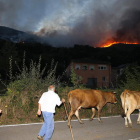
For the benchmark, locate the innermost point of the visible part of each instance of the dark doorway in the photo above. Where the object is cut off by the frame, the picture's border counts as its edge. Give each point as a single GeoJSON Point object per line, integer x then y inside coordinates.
{"type": "Point", "coordinates": [92, 83]}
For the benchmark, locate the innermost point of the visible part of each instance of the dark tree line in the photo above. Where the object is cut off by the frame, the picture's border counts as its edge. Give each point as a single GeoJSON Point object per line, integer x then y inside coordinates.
{"type": "Point", "coordinates": [117, 54]}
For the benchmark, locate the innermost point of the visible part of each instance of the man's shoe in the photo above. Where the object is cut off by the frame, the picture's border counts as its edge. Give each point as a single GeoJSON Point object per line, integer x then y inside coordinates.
{"type": "Point", "coordinates": [39, 137]}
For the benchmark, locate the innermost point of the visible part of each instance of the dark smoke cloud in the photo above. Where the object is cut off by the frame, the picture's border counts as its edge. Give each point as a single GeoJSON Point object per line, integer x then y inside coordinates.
{"type": "Point", "coordinates": [65, 23]}
{"type": "Point", "coordinates": [129, 27]}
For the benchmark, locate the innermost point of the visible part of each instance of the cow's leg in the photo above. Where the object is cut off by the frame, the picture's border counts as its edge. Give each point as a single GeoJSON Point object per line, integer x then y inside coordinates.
{"type": "Point", "coordinates": [130, 110]}
{"type": "Point", "coordinates": [129, 124]}
{"type": "Point", "coordinates": [99, 112]}
{"type": "Point", "coordinates": [93, 113]}
{"type": "Point", "coordinates": [125, 107]}
{"type": "Point", "coordinates": [138, 120]}
{"type": "Point", "coordinates": [69, 117]}
{"type": "Point", "coordinates": [125, 118]}
{"type": "Point", "coordinates": [77, 115]}
{"type": "Point", "coordinates": [126, 123]}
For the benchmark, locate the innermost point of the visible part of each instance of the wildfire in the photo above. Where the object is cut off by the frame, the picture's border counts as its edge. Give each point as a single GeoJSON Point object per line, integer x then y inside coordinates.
{"type": "Point", "coordinates": [108, 44]}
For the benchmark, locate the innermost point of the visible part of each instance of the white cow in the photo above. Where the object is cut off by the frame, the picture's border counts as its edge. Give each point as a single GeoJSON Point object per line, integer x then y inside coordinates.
{"type": "Point", "coordinates": [130, 101]}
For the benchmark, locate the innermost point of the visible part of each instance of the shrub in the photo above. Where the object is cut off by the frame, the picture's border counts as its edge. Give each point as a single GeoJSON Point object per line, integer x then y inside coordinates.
{"type": "Point", "coordinates": [25, 89]}
{"type": "Point", "coordinates": [130, 79]}
{"type": "Point", "coordinates": [75, 82]}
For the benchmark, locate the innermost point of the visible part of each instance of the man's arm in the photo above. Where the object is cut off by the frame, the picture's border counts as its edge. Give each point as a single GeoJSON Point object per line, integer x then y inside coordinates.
{"type": "Point", "coordinates": [39, 109]}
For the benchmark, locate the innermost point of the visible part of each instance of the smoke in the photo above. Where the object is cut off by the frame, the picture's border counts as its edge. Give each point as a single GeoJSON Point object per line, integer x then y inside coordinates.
{"type": "Point", "coordinates": [22, 15]}
{"type": "Point", "coordinates": [65, 23]}
{"type": "Point", "coordinates": [130, 27]}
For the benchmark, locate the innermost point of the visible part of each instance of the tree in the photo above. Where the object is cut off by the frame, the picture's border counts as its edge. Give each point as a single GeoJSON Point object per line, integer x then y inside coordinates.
{"type": "Point", "coordinates": [130, 78]}
{"type": "Point", "coordinates": [76, 82]}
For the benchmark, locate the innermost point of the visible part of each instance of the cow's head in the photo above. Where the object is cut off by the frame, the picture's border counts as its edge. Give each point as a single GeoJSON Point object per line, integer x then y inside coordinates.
{"type": "Point", "coordinates": [113, 98]}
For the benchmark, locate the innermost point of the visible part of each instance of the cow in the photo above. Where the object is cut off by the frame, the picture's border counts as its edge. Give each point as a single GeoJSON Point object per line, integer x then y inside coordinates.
{"type": "Point", "coordinates": [130, 101]}
{"type": "Point", "coordinates": [88, 98]}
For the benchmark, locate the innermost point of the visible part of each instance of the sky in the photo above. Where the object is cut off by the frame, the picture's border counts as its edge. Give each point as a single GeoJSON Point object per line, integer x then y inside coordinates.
{"type": "Point", "coordinates": [70, 22]}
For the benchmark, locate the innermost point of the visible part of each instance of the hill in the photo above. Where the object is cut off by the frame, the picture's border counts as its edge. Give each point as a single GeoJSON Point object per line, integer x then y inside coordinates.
{"type": "Point", "coordinates": [17, 36]}
{"type": "Point", "coordinates": [125, 47]}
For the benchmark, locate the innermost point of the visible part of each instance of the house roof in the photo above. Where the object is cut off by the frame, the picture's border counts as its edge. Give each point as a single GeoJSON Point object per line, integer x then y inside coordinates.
{"type": "Point", "coordinates": [120, 66]}
{"type": "Point", "coordinates": [87, 60]}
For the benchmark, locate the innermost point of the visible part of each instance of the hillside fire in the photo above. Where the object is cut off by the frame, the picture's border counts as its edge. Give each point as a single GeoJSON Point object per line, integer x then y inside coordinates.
{"type": "Point", "coordinates": [108, 44]}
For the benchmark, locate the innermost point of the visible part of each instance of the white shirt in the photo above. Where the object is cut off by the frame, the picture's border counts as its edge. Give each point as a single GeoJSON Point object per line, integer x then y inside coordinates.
{"type": "Point", "coordinates": [48, 101]}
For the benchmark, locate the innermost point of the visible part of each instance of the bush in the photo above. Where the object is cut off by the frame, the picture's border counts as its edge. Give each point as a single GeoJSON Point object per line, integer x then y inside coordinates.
{"type": "Point", "coordinates": [25, 89]}
{"type": "Point", "coordinates": [130, 79]}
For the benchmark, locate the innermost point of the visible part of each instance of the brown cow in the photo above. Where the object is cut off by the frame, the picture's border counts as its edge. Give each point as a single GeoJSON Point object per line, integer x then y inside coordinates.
{"type": "Point", "coordinates": [87, 98]}
{"type": "Point", "coordinates": [130, 101]}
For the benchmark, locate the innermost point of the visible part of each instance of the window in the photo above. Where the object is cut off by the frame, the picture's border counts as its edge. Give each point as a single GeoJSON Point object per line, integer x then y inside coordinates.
{"type": "Point", "coordinates": [84, 67]}
{"type": "Point", "coordinates": [102, 67]}
{"type": "Point", "coordinates": [103, 78]}
{"type": "Point", "coordinates": [77, 66]}
{"type": "Point", "coordinates": [91, 67]}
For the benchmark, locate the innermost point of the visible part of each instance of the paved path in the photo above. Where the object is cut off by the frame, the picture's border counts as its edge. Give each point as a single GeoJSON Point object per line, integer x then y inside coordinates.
{"type": "Point", "coordinates": [112, 128]}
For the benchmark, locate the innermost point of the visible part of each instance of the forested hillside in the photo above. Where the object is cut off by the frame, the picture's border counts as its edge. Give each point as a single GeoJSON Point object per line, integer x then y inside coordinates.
{"type": "Point", "coordinates": [117, 54]}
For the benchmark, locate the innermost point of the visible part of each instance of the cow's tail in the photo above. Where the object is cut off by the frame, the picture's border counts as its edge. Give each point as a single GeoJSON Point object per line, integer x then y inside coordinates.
{"type": "Point", "coordinates": [123, 104]}
{"type": "Point", "coordinates": [68, 106]}
{"type": "Point", "coordinates": [69, 100]}
{"type": "Point", "coordinates": [124, 94]}
{"type": "Point", "coordinates": [69, 97]}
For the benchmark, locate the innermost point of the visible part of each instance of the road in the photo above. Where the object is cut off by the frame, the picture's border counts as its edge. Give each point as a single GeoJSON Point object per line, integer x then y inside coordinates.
{"type": "Point", "coordinates": [112, 128]}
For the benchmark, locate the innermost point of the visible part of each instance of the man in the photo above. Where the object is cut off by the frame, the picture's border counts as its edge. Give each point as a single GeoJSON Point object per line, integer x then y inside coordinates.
{"type": "Point", "coordinates": [46, 105]}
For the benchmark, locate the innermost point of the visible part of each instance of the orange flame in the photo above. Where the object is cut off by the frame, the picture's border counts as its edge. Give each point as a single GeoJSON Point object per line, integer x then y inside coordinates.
{"type": "Point", "coordinates": [108, 44]}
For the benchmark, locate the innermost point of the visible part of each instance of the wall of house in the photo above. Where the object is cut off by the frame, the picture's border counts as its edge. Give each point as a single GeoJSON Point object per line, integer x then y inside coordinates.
{"type": "Point", "coordinates": [92, 72]}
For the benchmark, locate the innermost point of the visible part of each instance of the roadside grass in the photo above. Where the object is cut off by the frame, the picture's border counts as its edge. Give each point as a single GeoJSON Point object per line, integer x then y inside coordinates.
{"type": "Point", "coordinates": [15, 114]}
{"type": "Point", "coordinates": [24, 110]}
